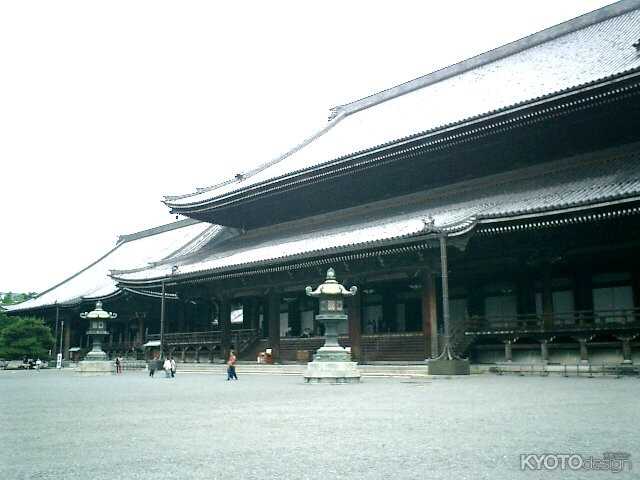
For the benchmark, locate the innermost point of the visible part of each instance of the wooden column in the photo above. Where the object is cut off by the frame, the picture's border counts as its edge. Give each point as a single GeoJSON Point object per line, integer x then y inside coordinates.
{"type": "Point", "coordinates": [67, 339]}
{"type": "Point", "coordinates": [547, 297]}
{"type": "Point", "coordinates": [273, 319]}
{"type": "Point", "coordinates": [429, 315]}
{"type": "Point", "coordinates": [626, 347]}
{"type": "Point", "coordinates": [544, 350]}
{"type": "Point", "coordinates": [584, 353]}
{"type": "Point", "coordinates": [583, 288]}
{"type": "Point", "coordinates": [636, 287]}
{"type": "Point", "coordinates": [355, 325]}
{"type": "Point", "coordinates": [141, 330]}
{"type": "Point", "coordinates": [180, 317]}
{"type": "Point", "coordinates": [388, 310]}
{"type": "Point", "coordinates": [526, 292]}
{"type": "Point", "coordinates": [224, 322]}
{"type": "Point", "coordinates": [250, 314]}
{"type": "Point", "coordinates": [293, 311]}
{"type": "Point", "coordinates": [508, 351]}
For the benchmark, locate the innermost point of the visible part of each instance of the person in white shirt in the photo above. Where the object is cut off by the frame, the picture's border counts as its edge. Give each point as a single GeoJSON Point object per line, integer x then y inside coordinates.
{"type": "Point", "coordinates": [173, 367]}
{"type": "Point", "coordinates": [167, 367]}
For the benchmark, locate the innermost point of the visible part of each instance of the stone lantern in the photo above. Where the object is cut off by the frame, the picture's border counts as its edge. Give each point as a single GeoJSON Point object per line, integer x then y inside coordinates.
{"type": "Point", "coordinates": [96, 360]}
{"type": "Point", "coordinates": [331, 363]}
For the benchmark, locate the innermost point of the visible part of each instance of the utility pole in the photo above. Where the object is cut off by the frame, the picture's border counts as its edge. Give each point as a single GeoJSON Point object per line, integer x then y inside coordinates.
{"type": "Point", "coordinates": [61, 332]}
{"type": "Point", "coordinates": [55, 335]}
{"type": "Point", "coordinates": [162, 323]}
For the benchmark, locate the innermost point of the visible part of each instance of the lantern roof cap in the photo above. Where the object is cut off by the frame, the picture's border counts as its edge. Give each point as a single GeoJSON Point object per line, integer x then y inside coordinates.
{"type": "Point", "coordinates": [331, 287]}
{"type": "Point", "coordinates": [98, 312]}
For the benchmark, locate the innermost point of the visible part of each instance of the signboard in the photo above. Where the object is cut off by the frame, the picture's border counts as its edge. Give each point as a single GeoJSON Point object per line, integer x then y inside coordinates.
{"type": "Point", "coordinates": [59, 361]}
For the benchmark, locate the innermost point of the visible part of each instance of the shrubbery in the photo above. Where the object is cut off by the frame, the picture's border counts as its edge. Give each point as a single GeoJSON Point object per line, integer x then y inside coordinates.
{"type": "Point", "coordinates": [20, 336]}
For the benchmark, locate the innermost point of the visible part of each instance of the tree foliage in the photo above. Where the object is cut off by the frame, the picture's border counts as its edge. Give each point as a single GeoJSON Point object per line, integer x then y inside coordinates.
{"type": "Point", "coordinates": [24, 336]}
{"type": "Point", "coordinates": [10, 298]}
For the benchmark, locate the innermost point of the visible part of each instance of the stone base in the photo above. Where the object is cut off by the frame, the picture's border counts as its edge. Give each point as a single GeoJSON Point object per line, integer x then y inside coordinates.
{"type": "Point", "coordinates": [92, 367]}
{"type": "Point", "coordinates": [332, 372]}
{"type": "Point", "coordinates": [335, 354]}
{"type": "Point", "coordinates": [449, 367]}
{"type": "Point", "coordinates": [96, 356]}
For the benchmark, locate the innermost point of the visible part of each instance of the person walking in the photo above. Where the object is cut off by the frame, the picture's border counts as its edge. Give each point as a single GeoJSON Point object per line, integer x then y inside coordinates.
{"type": "Point", "coordinates": [117, 365]}
{"type": "Point", "coordinates": [173, 367]}
{"type": "Point", "coordinates": [38, 364]}
{"type": "Point", "coordinates": [167, 367]}
{"type": "Point", "coordinates": [231, 367]}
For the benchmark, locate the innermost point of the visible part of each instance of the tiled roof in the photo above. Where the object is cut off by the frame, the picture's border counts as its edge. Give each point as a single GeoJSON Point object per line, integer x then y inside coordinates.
{"type": "Point", "coordinates": [131, 251]}
{"type": "Point", "coordinates": [584, 181]}
{"type": "Point", "coordinates": [586, 49]}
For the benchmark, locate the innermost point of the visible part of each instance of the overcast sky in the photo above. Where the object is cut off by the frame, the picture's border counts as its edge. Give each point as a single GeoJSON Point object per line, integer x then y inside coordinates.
{"type": "Point", "coordinates": [107, 106]}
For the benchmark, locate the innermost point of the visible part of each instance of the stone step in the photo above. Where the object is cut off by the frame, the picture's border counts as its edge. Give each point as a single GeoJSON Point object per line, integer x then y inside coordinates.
{"type": "Point", "coordinates": [298, 369]}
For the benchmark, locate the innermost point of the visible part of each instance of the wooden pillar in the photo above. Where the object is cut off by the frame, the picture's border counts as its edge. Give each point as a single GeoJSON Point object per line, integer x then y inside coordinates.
{"type": "Point", "coordinates": [626, 347]}
{"type": "Point", "coordinates": [584, 353]}
{"type": "Point", "coordinates": [355, 325]}
{"type": "Point", "coordinates": [141, 330]}
{"type": "Point", "coordinates": [388, 311]}
{"type": "Point", "coordinates": [429, 315]}
{"type": "Point", "coordinates": [180, 317]}
{"type": "Point", "coordinates": [547, 297]}
{"type": "Point", "coordinates": [224, 322]}
{"type": "Point", "coordinates": [583, 288]}
{"type": "Point", "coordinates": [67, 339]}
{"type": "Point", "coordinates": [273, 319]}
{"type": "Point", "coordinates": [293, 311]}
{"type": "Point", "coordinates": [127, 332]}
{"type": "Point", "coordinates": [526, 293]}
{"type": "Point", "coordinates": [250, 314]}
{"type": "Point", "coordinates": [636, 287]}
{"type": "Point", "coordinates": [544, 350]}
{"type": "Point", "coordinates": [508, 351]}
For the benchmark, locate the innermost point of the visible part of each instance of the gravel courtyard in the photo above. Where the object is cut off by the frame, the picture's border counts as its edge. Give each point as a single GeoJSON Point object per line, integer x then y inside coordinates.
{"type": "Point", "coordinates": [58, 425]}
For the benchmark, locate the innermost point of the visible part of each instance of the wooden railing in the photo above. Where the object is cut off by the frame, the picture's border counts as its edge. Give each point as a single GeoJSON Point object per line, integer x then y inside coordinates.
{"type": "Point", "coordinates": [190, 338]}
{"type": "Point", "coordinates": [241, 338]}
{"type": "Point", "coordinates": [569, 321]}
{"type": "Point", "coordinates": [121, 346]}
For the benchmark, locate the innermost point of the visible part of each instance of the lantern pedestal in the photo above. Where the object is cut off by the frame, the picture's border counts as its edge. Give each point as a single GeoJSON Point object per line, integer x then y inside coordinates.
{"type": "Point", "coordinates": [97, 367]}
{"type": "Point", "coordinates": [332, 363]}
{"type": "Point", "coordinates": [332, 372]}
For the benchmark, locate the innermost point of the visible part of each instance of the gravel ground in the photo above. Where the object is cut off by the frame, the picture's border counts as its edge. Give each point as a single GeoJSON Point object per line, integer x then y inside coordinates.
{"type": "Point", "coordinates": [58, 425]}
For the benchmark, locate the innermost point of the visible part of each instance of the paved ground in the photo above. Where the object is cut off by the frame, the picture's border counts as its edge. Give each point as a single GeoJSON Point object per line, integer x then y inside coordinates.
{"type": "Point", "coordinates": [57, 425]}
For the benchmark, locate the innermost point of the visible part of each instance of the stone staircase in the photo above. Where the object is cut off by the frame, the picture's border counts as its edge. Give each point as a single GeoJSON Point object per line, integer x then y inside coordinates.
{"type": "Point", "coordinates": [399, 369]}
{"type": "Point", "coordinates": [394, 347]}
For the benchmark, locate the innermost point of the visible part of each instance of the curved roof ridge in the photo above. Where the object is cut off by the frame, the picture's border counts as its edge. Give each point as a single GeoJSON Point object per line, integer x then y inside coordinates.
{"type": "Point", "coordinates": [118, 245]}
{"type": "Point", "coordinates": [333, 120]}
{"type": "Point", "coordinates": [511, 48]}
{"type": "Point", "coordinates": [155, 230]}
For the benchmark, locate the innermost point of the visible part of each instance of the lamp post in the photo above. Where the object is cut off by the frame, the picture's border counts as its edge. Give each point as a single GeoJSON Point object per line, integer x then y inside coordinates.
{"type": "Point", "coordinates": [162, 323]}
{"type": "Point", "coordinates": [174, 269]}
{"type": "Point", "coordinates": [61, 332]}
{"type": "Point", "coordinates": [447, 363]}
{"type": "Point", "coordinates": [331, 363]}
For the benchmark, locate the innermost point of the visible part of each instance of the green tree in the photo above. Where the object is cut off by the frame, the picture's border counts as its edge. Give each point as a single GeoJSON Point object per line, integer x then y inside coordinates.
{"type": "Point", "coordinates": [25, 336]}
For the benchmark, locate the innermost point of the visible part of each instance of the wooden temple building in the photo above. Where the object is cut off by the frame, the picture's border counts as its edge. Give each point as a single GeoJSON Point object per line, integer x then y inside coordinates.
{"type": "Point", "coordinates": [524, 161]}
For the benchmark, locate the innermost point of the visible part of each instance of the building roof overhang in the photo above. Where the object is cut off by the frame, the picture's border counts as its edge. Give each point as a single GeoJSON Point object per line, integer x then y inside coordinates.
{"type": "Point", "coordinates": [587, 187]}
{"type": "Point", "coordinates": [540, 75]}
